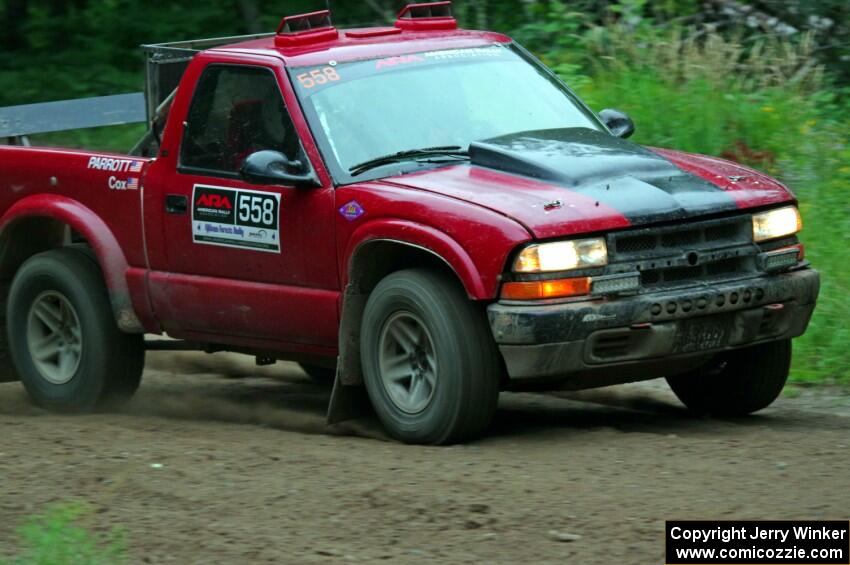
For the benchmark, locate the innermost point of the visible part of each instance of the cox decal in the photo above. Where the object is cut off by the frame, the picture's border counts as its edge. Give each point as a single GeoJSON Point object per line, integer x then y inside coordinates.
{"type": "Point", "coordinates": [121, 184]}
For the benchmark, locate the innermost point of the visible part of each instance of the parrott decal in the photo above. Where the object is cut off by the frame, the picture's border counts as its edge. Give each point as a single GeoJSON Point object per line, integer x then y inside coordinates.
{"type": "Point", "coordinates": [229, 217]}
{"type": "Point", "coordinates": [114, 165]}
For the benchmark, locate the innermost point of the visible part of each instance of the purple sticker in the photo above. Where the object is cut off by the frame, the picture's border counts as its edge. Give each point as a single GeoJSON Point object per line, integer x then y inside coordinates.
{"type": "Point", "coordinates": [352, 211]}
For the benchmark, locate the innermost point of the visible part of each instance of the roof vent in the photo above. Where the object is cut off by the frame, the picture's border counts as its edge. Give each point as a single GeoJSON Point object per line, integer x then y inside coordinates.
{"type": "Point", "coordinates": [431, 16]}
{"type": "Point", "coordinates": [372, 32]}
{"type": "Point", "coordinates": [306, 29]}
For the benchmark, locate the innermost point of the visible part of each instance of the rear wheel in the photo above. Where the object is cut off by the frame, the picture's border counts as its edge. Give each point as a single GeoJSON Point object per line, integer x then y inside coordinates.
{"type": "Point", "coordinates": [429, 360]}
{"type": "Point", "coordinates": [737, 383]}
{"type": "Point", "coordinates": [63, 340]}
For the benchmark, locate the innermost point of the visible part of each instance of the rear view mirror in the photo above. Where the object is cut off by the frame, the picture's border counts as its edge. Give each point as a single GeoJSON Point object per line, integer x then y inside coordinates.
{"type": "Point", "coordinates": [618, 122]}
{"type": "Point", "coordinates": [272, 167]}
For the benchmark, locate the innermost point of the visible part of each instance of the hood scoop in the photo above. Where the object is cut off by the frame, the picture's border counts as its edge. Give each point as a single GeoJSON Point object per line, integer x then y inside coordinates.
{"type": "Point", "coordinates": [570, 157]}
{"type": "Point", "coordinates": [644, 186]}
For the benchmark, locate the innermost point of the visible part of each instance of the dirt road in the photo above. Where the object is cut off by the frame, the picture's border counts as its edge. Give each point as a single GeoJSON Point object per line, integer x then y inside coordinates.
{"type": "Point", "coordinates": [209, 467]}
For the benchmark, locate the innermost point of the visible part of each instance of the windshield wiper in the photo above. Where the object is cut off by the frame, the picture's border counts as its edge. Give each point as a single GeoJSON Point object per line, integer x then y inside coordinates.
{"type": "Point", "coordinates": [412, 155]}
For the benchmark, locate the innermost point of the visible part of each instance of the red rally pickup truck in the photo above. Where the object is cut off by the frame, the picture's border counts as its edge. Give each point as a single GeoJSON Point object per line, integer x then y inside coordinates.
{"type": "Point", "coordinates": [423, 212]}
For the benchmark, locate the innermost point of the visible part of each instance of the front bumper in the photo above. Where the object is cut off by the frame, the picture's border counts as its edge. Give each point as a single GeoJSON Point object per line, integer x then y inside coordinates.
{"type": "Point", "coordinates": [656, 331]}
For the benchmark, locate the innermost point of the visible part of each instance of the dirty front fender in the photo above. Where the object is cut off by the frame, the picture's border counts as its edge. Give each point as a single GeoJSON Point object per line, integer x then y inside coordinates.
{"type": "Point", "coordinates": [475, 242]}
{"type": "Point", "coordinates": [427, 239]}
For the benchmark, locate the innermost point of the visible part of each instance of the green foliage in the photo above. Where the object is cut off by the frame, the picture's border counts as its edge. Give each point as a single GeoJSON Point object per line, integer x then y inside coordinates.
{"type": "Point", "coordinates": [56, 538]}
{"type": "Point", "coordinates": [557, 37]}
{"type": "Point", "coordinates": [831, 21]}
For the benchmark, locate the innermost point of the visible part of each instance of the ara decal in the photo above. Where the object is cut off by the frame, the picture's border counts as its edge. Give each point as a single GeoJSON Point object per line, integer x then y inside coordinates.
{"type": "Point", "coordinates": [396, 61]}
{"type": "Point", "coordinates": [352, 211]}
{"type": "Point", "coordinates": [237, 218]}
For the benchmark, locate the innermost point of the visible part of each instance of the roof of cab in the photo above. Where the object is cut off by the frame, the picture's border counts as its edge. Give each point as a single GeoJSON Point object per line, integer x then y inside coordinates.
{"type": "Point", "coordinates": [311, 39]}
{"type": "Point", "coordinates": [360, 43]}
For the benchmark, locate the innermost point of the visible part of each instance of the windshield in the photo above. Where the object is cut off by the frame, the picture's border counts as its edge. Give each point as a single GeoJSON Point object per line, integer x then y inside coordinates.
{"type": "Point", "coordinates": [366, 110]}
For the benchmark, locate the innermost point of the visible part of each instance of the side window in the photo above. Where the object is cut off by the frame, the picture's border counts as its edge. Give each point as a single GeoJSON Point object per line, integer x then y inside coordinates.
{"type": "Point", "coordinates": [236, 111]}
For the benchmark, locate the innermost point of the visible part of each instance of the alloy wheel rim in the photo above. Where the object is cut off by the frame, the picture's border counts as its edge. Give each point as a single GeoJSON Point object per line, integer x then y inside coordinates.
{"type": "Point", "coordinates": [54, 337]}
{"type": "Point", "coordinates": [407, 362]}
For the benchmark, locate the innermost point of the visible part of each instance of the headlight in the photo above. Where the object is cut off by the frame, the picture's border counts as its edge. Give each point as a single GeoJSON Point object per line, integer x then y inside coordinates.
{"type": "Point", "coordinates": [562, 256]}
{"type": "Point", "coordinates": [776, 223]}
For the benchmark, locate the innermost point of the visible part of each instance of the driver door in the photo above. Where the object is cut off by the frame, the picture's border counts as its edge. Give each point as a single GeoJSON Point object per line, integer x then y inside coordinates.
{"type": "Point", "coordinates": [255, 263]}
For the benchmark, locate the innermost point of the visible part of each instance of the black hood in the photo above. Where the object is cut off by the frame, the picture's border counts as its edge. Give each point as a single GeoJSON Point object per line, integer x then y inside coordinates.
{"type": "Point", "coordinates": [642, 185]}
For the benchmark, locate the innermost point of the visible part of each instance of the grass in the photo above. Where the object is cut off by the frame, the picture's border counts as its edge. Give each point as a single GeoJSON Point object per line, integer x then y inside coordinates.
{"type": "Point", "coordinates": [58, 538]}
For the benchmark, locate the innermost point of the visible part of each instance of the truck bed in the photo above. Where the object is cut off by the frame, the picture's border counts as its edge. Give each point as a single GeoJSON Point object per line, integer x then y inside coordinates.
{"type": "Point", "coordinates": [108, 185]}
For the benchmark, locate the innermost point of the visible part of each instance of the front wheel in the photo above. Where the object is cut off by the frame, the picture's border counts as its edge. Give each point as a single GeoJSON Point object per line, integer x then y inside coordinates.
{"type": "Point", "coordinates": [737, 383]}
{"type": "Point", "coordinates": [63, 340]}
{"type": "Point", "coordinates": [429, 359]}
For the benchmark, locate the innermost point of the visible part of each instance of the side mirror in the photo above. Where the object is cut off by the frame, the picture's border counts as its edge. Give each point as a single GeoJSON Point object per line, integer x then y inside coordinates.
{"type": "Point", "coordinates": [618, 122]}
{"type": "Point", "coordinates": [272, 167]}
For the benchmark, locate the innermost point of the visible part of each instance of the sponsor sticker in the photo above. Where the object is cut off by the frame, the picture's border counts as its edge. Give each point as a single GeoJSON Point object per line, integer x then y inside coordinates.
{"type": "Point", "coordinates": [396, 61]}
{"type": "Point", "coordinates": [475, 52]}
{"type": "Point", "coordinates": [438, 56]}
{"type": "Point", "coordinates": [318, 77]}
{"type": "Point", "coordinates": [229, 217]}
{"type": "Point", "coordinates": [116, 183]}
{"type": "Point", "coordinates": [113, 165]}
{"type": "Point", "coordinates": [352, 211]}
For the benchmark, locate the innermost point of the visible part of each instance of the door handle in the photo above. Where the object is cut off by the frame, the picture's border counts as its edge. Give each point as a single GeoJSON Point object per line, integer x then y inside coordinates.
{"type": "Point", "coordinates": [176, 204]}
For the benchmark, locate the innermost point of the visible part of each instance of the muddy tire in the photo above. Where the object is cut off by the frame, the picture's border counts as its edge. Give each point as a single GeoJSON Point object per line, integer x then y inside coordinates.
{"type": "Point", "coordinates": [324, 376]}
{"type": "Point", "coordinates": [738, 383]}
{"type": "Point", "coordinates": [63, 340]}
{"type": "Point", "coordinates": [7, 370]}
{"type": "Point", "coordinates": [429, 359]}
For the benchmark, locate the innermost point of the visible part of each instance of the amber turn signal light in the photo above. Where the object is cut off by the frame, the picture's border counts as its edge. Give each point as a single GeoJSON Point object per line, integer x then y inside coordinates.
{"type": "Point", "coordinates": [539, 290]}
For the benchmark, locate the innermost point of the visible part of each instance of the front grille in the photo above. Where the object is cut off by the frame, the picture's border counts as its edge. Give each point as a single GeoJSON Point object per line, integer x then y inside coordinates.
{"type": "Point", "coordinates": [636, 244]}
{"type": "Point", "coordinates": [724, 267]}
{"type": "Point", "coordinates": [675, 275]}
{"type": "Point", "coordinates": [653, 242]}
{"type": "Point", "coordinates": [726, 231]}
{"type": "Point", "coordinates": [678, 239]}
{"type": "Point", "coordinates": [681, 254]}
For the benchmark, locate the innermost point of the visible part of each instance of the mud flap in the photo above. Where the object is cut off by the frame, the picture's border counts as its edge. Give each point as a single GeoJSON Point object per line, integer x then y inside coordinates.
{"type": "Point", "coordinates": [348, 403]}
{"type": "Point", "coordinates": [349, 399]}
